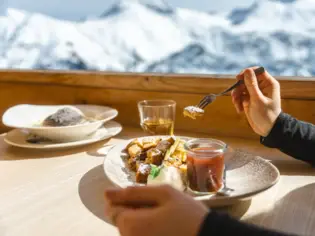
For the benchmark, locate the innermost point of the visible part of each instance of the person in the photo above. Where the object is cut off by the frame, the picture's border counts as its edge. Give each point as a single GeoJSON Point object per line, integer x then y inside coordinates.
{"type": "Point", "coordinates": [144, 211]}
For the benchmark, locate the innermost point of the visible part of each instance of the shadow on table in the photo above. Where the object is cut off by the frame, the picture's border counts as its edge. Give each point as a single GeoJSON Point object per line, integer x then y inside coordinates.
{"type": "Point", "coordinates": [94, 182]}
{"type": "Point", "coordinates": [293, 168]}
{"type": "Point", "coordinates": [15, 153]}
{"type": "Point", "coordinates": [294, 213]}
{"type": "Point", "coordinates": [91, 191]}
{"type": "Point", "coordinates": [237, 210]}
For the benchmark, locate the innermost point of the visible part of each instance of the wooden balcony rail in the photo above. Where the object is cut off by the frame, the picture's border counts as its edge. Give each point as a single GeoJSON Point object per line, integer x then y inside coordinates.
{"type": "Point", "coordinates": [123, 90]}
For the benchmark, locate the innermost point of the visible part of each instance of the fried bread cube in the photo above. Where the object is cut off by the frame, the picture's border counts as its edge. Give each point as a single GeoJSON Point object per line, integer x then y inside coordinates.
{"type": "Point", "coordinates": [143, 173]}
{"type": "Point", "coordinates": [134, 150]}
{"type": "Point", "coordinates": [155, 157]}
{"type": "Point", "coordinates": [132, 163]}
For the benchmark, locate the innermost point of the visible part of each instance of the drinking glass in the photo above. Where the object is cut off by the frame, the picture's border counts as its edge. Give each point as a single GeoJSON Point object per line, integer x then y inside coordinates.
{"type": "Point", "coordinates": [205, 165]}
{"type": "Point", "coordinates": [157, 117]}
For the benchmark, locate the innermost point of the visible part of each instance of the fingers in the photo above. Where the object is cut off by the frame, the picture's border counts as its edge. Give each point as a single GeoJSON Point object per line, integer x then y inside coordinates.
{"type": "Point", "coordinates": [237, 100]}
{"type": "Point", "coordinates": [113, 213]}
{"type": "Point", "coordinates": [267, 77]}
{"type": "Point", "coordinates": [125, 208]}
{"type": "Point", "coordinates": [135, 222]}
{"type": "Point", "coordinates": [251, 83]}
{"type": "Point", "coordinates": [240, 94]}
{"type": "Point", "coordinates": [262, 78]}
{"type": "Point", "coordinates": [139, 197]}
{"type": "Point", "coordinates": [237, 94]}
{"type": "Point", "coordinates": [245, 102]}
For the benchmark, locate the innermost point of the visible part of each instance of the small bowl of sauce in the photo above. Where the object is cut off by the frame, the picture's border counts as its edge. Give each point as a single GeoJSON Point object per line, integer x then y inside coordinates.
{"type": "Point", "coordinates": [205, 165]}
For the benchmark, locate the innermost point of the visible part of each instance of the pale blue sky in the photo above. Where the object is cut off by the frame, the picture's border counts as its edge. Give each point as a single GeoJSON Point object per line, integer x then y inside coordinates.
{"type": "Point", "coordinates": [77, 9]}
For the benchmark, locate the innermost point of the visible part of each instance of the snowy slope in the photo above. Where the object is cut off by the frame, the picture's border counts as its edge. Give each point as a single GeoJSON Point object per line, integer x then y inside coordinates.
{"type": "Point", "coordinates": [271, 15]}
{"type": "Point", "coordinates": [134, 28]}
{"type": "Point", "coordinates": [144, 35]}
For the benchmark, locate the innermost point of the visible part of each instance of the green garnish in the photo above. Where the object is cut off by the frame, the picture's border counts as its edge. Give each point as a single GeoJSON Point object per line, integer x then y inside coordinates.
{"type": "Point", "coordinates": [155, 171]}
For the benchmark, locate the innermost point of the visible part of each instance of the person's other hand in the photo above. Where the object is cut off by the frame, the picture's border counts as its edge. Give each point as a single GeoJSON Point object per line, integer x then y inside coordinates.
{"type": "Point", "coordinates": [154, 211]}
{"type": "Point", "coordinates": [259, 98]}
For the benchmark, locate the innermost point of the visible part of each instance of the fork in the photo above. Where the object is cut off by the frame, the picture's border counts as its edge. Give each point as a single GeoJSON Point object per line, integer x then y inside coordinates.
{"type": "Point", "coordinates": [211, 97]}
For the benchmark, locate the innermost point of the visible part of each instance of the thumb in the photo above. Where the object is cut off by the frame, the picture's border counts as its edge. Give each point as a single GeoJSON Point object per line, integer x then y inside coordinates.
{"type": "Point", "coordinates": [251, 83]}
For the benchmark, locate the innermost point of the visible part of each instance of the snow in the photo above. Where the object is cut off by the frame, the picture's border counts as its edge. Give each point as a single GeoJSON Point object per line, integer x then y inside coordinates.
{"type": "Point", "coordinates": [152, 36]}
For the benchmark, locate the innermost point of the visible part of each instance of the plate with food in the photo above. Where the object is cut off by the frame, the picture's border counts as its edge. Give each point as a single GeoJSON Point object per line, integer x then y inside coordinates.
{"type": "Point", "coordinates": [61, 123]}
{"type": "Point", "coordinates": [24, 139]}
{"type": "Point", "coordinates": [155, 160]}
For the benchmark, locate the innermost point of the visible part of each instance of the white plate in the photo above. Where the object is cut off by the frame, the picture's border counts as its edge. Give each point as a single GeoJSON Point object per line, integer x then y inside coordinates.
{"type": "Point", "coordinates": [27, 116]}
{"type": "Point", "coordinates": [247, 174]}
{"type": "Point", "coordinates": [18, 138]}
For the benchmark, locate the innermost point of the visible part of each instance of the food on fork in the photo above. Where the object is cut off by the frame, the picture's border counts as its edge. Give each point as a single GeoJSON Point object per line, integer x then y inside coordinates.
{"type": "Point", "coordinates": [65, 117]}
{"type": "Point", "coordinates": [193, 112]}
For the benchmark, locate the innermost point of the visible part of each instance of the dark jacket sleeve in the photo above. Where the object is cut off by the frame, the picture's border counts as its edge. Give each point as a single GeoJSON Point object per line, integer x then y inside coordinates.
{"type": "Point", "coordinates": [293, 137]}
{"type": "Point", "coordinates": [218, 224]}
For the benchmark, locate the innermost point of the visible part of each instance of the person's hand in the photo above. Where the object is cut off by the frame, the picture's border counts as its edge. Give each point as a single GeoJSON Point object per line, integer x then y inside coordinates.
{"type": "Point", "coordinates": [260, 100]}
{"type": "Point", "coordinates": [154, 211]}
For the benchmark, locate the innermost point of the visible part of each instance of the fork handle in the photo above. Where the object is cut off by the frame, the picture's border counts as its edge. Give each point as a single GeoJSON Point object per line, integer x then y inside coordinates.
{"type": "Point", "coordinates": [257, 71]}
{"type": "Point", "coordinates": [238, 83]}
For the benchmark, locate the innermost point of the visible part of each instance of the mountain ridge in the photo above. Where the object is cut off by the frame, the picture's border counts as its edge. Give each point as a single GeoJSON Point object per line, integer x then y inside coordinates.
{"type": "Point", "coordinates": [136, 36]}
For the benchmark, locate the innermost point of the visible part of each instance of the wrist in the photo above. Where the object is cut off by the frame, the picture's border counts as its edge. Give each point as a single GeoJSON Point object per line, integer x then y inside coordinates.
{"type": "Point", "coordinates": [273, 139]}
{"type": "Point", "coordinates": [273, 116]}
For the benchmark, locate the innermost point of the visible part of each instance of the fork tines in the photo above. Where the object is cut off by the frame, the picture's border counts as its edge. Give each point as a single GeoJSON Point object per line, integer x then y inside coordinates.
{"type": "Point", "coordinates": [211, 97]}
{"type": "Point", "coordinates": [206, 100]}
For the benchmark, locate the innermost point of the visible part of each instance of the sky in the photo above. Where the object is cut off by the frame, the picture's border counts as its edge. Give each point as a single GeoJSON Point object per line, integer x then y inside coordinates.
{"type": "Point", "coordinates": [78, 9]}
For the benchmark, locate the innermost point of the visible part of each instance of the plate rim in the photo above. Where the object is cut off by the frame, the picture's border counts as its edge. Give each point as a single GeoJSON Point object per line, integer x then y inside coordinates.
{"type": "Point", "coordinates": [208, 198]}
{"type": "Point", "coordinates": [67, 144]}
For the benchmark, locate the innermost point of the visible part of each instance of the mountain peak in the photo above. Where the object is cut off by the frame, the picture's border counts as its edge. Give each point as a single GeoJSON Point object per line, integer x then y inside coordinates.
{"type": "Point", "coordinates": [284, 1]}
{"type": "Point", "coordinates": [159, 6]}
{"type": "Point", "coordinates": [239, 15]}
{"type": "Point", "coordinates": [262, 7]}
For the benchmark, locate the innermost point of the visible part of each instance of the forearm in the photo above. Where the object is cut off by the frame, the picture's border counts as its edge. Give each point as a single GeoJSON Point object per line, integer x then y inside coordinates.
{"type": "Point", "coordinates": [293, 137]}
{"type": "Point", "coordinates": [223, 225]}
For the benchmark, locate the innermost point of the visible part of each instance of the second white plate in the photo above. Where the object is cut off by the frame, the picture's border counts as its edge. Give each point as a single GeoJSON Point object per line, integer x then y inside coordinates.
{"type": "Point", "coordinates": [17, 138]}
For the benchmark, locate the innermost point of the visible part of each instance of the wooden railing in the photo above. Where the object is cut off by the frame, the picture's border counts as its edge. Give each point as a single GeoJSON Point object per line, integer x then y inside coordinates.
{"type": "Point", "coordinates": [124, 90]}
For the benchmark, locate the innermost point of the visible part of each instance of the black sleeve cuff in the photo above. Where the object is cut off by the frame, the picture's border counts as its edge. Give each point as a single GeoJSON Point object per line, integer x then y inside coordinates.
{"type": "Point", "coordinates": [220, 224]}
{"type": "Point", "coordinates": [274, 137]}
{"type": "Point", "coordinates": [210, 224]}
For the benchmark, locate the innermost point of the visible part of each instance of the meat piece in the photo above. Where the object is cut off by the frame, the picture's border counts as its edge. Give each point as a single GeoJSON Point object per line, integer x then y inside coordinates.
{"type": "Point", "coordinates": [143, 173]}
{"type": "Point", "coordinates": [132, 163]}
{"type": "Point", "coordinates": [64, 117]}
{"type": "Point", "coordinates": [138, 164]}
{"type": "Point", "coordinates": [171, 140]}
{"type": "Point", "coordinates": [134, 150]}
{"type": "Point", "coordinates": [155, 157]}
{"type": "Point", "coordinates": [142, 156]}
{"type": "Point", "coordinates": [163, 146]}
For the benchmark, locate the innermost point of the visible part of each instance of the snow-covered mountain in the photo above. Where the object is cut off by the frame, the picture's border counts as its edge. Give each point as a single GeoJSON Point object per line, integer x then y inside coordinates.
{"type": "Point", "coordinates": [152, 36]}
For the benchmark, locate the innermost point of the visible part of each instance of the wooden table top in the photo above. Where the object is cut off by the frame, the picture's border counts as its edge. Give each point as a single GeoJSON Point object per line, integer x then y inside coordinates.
{"type": "Point", "coordinates": [61, 192]}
